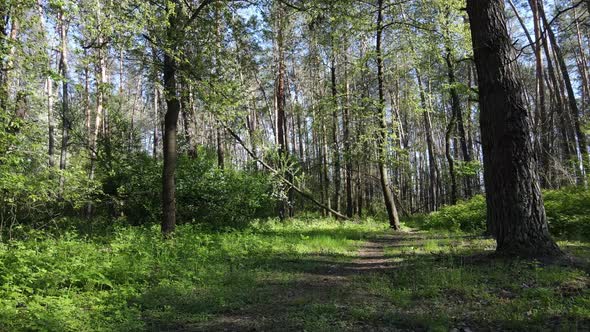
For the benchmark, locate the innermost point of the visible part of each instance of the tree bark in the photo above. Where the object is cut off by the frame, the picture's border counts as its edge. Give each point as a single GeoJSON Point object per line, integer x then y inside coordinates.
{"type": "Point", "coordinates": [432, 165]}
{"type": "Point", "coordinates": [335, 130]}
{"type": "Point", "coordinates": [280, 101]}
{"type": "Point", "coordinates": [347, 152]}
{"type": "Point", "coordinates": [514, 204]}
{"type": "Point", "coordinates": [573, 105]}
{"type": "Point", "coordinates": [382, 132]}
{"type": "Point", "coordinates": [65, 109]}
{"type": "Point", "coordinates": [170, 153]}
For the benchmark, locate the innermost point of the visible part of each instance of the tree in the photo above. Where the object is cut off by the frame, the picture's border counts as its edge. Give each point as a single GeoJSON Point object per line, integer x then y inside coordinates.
{"type": "Point", "coordinates": [515, 209]}
{"type": "Point", "coordinates": [382, 132]}
{"type": "Point", "coordinates": [175, 31]}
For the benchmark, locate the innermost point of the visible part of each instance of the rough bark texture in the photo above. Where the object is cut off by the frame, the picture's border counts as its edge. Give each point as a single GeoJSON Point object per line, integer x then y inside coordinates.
{"type": "Point", "coordinates": [514, 203]}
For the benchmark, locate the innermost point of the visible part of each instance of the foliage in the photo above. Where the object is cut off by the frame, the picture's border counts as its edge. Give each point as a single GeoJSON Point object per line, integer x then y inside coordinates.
{"type": "Point", "coordinates": [205, 193]}
{"type": "Point", "coordinates": [466, 216]}
{"type": "Point", "coordinates": [568, 214]}
{"type": "Point", "coordinates": [301, 275]}
{"type": "Point", "coordinates": [73, 283]}
{"type": "Point", "coordinates": [29, 188]}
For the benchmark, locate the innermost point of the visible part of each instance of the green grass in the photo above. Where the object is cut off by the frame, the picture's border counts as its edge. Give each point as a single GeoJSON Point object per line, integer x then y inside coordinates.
{"type": "Point", "coordinates": [299, 275]}
{"type": "Point", "coordinates": [442, 282]}
{"type": "Point", "coordinates": [135, 280]}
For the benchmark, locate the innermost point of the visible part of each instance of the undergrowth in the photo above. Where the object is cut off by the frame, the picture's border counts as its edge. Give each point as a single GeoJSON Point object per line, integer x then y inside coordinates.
{"type": "Point", "coordinates": [134, 280]}
{"type": "Point", "coordinates": [568, 215]}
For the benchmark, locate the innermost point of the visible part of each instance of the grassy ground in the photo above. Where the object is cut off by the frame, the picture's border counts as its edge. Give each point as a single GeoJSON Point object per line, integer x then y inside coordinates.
{"type": "Point", "coordinates": [315, 275]}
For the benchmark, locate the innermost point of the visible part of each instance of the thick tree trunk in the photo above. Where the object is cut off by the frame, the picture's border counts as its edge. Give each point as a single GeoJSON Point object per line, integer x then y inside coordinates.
{"type": "Point", "coordinates": [382, 135]}
{"type": "Point", "coordinates": [513, 195]}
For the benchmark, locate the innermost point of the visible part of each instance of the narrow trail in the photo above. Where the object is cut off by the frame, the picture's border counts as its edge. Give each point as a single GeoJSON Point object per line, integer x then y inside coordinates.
{"type": "Point", "coordinates": [323, 282]}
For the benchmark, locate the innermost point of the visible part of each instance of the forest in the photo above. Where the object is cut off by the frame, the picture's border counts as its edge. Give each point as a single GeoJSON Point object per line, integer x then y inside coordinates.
{"type": "Point", "coordinates": [291, 165]}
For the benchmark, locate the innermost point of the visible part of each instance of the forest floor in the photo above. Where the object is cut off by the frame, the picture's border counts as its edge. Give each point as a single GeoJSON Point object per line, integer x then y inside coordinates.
{"type": "Point", "coordinates": [303, 275]}
{"type": "Point", "coordinates": [415, 281]}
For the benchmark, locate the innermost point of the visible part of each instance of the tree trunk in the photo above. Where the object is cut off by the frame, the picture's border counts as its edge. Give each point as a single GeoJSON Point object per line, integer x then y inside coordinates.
{"type": "Point", "coordinates": [513, 195]}
{"type": "Point", "coordinates": [4, 19]}
{"type": "Point", "coordinates": [458, 122]}
{"type": "Point", "coordinates": [451, 125]}
{"type": "Point", "coordinates": [170, 153]}
{"type": "Point", "coordinates": [65, 109]}
{"type": "Point", "coordinates": [573, 105]}
{"type": "Point", "coordinates": [100, 101]}
{"type": "Point", "coordinates": [346, 138]}
{"type": "Point", "coordinates": [382, 135]}
{"type": "Point", "coordinates": [280, 101]}
{"type": "Point", "coordinates": [335, 130]}
{"type": "Point", "coordinates": [433, 167]}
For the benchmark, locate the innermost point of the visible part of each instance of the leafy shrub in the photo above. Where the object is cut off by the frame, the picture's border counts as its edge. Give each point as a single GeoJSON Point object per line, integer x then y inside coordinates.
{"type": "Point", "coordinates": [466, 216]}
{"type": "Point", "coordinates": [204, 193]}
{"type": "Point", "coordinates": [30, 192]}
{"type": "Point", "coordinates": [568, 214]}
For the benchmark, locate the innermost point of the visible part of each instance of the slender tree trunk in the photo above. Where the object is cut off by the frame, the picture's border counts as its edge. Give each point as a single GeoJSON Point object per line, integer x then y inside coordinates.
{"type": "Point", "coordinates": [100, 101]}
{"type": "Point", "coordinates": [450, 159]}
{"type": "Point", "coordinates": [433, 167]}
{"type": "Point", "coordinates": [50, 123]}
{"type": "Point", "coordinates": [280, 100]}
{"type": "Point", "coordinates": [347, 151]}
{"type": "Point", "coordinates": [458, 121]}
{"type": "Point", "coordinates": [4, 19]}
{"type": "Point", "coordinates": [573, 105]}
{"type": "Point", "coordinates": [335, 130]}
{"type": "Point", "coordinates": [65, 109]}
{"type": "Point", "coordinates": [514, 202]}
{"type": "Point", "coordinates": [169, 151]}
{"type": "Point", "coordinates": [220, 148]}
{"type": "Point", "coordinates": [382, 135]}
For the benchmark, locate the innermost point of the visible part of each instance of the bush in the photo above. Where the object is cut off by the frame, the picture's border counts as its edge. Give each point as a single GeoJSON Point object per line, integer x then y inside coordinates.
{"type": "Point", "coordinates": [568, 214]}
{"type": "Point", "coordinates": [204, 193]}
{"type": "Point", "coordinates": [466, 216]}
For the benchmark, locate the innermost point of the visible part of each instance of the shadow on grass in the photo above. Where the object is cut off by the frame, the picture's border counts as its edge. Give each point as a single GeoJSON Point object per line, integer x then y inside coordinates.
{"type": "Point", "coordinates": [398, 290]}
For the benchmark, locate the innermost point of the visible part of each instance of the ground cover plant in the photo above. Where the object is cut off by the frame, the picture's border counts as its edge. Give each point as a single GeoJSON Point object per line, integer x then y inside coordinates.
{"type": "Point", "coordinates": [299, 165]}
{"type": "Point", "coordinates": [309, 274]}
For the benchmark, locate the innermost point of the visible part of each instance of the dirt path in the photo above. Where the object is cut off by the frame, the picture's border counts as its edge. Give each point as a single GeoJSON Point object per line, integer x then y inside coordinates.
{"type": "Point", "coordinates": [325, 286]}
